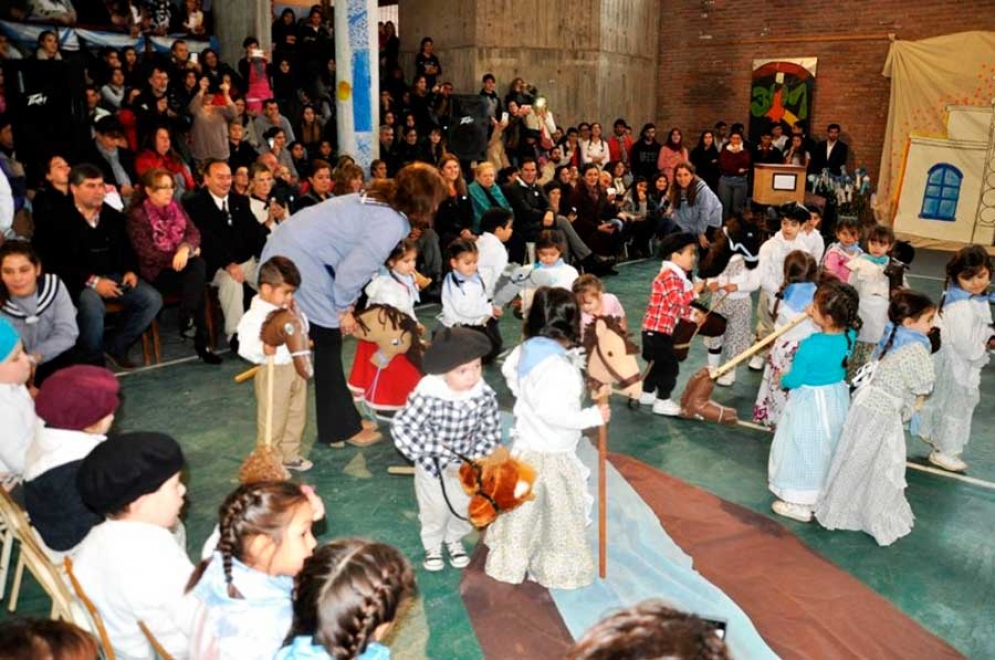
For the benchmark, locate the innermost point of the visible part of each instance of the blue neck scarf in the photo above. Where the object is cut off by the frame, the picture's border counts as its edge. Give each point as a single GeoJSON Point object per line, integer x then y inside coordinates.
{"type": "Point", "coordinates": [409, 282]}
{"type": "Point", "coordinates": [798, 296]}
{"type": "Point", "coordinates": [535, 351]}
{"type": "Point", "coordinates": [880, 261]}
{"type": "Point", "coordinates": [903, 337]}
{"type": "Point", "coordinates": [854, 248]}
{"type": "Point", "coordinates": [956, 294]}
{"type": "Point", "coordinates": [559, 262]}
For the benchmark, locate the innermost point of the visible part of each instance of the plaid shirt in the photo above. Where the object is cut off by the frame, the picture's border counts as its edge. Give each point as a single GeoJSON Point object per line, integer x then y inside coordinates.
{"type": "Point", "coordinates": [668, 302]}
{"type": "Point", "coordinates": [429, 425]}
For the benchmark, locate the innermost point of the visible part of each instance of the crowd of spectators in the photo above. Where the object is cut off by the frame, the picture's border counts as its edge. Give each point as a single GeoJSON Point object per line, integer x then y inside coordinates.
{"type": "Point", "coordinates": [193, 161]}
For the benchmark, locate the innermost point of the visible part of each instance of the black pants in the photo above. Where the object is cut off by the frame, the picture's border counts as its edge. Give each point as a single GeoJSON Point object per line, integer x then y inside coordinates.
{"type": "Point", "coordinates": [189, 284]}
{"type": "Point", "coordinates": [338, 419]}
{"type": "Point", "coordinates": [658, 348]}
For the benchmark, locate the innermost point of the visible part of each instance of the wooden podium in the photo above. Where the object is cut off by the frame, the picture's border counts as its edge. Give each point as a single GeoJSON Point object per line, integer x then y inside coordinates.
{"type": "Point", "coordinates": [778, 184]}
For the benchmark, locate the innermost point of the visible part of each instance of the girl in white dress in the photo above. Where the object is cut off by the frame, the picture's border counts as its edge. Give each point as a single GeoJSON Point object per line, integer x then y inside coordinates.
{"type": "Point", "coordinates": [966, 327]}
{"type": "Point", "coordinates": [544, 539]}
{"type": "Point", "coordinates": [865, 488]}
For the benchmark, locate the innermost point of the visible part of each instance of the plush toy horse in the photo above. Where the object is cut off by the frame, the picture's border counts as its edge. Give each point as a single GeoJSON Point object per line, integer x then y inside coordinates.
{"type": "Point", "coordinates": [515, 279]}
{"type": "Point", "coordinates": [394, 333]}
{"type": "Point", "coordinates": [496, 484]}
{"type": "Point", "coordinates": [282, 326]}
{"type": "Point", "coordinates": [611, 357]}
{"type": "Point", "coordinates": [740, 235]}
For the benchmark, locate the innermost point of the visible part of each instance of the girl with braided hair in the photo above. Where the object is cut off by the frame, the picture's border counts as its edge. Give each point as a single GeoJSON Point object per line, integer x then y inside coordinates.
{"type": "Point", "coordinates": [815, 413]}
{"type": "Point", "coordinates": [244, 589]}
{"type": "Point", "coordinates": [865, 487]}
{"type": "Point", "coordinates": [965, 318]}
{"type": "Point", "coordinates": [345, 601]}
{"type": "Point", "coordinates": [793, 297]}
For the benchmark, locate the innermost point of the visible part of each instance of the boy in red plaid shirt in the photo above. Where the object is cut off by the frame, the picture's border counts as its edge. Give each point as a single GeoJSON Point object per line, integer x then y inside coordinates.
{"type": "Point", "coordinates": [670, 300]}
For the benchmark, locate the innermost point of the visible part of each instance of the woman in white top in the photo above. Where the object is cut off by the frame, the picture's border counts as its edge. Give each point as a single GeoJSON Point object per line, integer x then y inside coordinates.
{"type": "Point", "coordinates": [594, 150]}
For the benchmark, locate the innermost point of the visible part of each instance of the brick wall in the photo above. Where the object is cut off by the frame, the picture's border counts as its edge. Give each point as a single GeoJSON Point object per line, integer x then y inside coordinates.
{"type": "Point", "coordinates": [703, 80]}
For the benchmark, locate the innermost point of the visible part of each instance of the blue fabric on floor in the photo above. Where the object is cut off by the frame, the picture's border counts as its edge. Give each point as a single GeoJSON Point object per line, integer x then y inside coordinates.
{"type": "Point", "coordinates": [644, 562]}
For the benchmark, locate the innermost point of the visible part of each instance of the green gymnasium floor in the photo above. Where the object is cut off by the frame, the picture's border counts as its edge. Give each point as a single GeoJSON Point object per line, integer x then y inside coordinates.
{"type": "Point", "coordinates": [942, 575]}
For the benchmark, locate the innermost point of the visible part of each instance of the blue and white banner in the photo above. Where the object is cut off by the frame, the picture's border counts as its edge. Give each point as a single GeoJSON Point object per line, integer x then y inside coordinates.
{"type": "Point", "coordinates": [26, 35]}
{"type": "Point", "coordinates": [358, 79]}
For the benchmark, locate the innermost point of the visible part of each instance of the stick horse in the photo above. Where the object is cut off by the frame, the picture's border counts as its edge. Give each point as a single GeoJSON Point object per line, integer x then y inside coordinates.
{"type": "Point", "coordinates": [611, 360]}
{"type": "Point", "coordinates": [282, 326]}
{"type": "Point", "coordinates": [388, 358]}
{"type": "Point", "coordinates": [741, 235]}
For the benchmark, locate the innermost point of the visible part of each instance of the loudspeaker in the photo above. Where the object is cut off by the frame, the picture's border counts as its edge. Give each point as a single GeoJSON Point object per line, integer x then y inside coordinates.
{"type": "Point", "coordinates": [469, 127]}
{"type": "Point", "coordinates": [46, 102]}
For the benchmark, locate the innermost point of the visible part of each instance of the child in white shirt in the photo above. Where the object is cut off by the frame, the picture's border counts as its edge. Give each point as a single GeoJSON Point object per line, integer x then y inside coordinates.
{"type": "Point", "coordinates": [492, 255]}
{"type": "Point", "coordinates": [811, 237]}
{"type": "Point", "coordinates": [17, 410]}
{"type": "Point", "coordinates": [464, 296]}
{"type": "Point", "coordinates": [278, 280]}
{"type": "Point", "coordinates": [549, 259]}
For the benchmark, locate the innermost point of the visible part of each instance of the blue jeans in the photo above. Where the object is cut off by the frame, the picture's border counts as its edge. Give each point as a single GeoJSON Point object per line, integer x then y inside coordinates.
{"type": "Point", "coordinates": [141, 305]}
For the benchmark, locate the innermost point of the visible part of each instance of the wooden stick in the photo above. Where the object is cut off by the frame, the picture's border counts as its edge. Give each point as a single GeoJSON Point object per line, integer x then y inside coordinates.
{"type": "Point", "coordinates": [759, 346]}
{"type": "Point", "coordinates": [247, 374]}
{"type": "Point", "coordinates": [270, 370]}
{"type": "Point", "coordinates": [401, 469]}
{"type": "Point", "coordinates": [603, 495]}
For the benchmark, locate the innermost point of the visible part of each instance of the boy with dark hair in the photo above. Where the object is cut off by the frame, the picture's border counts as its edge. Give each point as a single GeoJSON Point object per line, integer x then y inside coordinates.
{"type": "Point", "coordinates": [278, 280]}
{"type": "Point", "coordinates": [492, 255]}
{"type": "Point", "coordinates": [549, 259]}
{"type": "Point", "coordinates": [670, 300]}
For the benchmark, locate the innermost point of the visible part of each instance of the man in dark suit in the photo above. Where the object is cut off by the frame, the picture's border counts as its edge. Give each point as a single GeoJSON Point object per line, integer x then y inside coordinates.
{"type": "Point", "coordinates": [231, 239]}
{"type": "Point", "coordinates": [95, 260]}
{"type": "Point", "coordinates": [830, 154]}
{"type": "Point", "coordinates": [109, 153]}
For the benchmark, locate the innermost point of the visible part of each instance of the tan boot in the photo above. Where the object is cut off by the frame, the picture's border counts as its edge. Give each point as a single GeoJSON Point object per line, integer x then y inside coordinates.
{"type": "Point", "coordinates": [369, 424]}
{"type": "Point", "coordinates": [365, 438]}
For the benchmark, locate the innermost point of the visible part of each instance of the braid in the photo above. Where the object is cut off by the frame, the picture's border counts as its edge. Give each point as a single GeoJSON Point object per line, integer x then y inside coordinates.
{"type": "Point", "coordinates": [891, 340]}
{"type": "Point", "coordinates": [840, 302]}
{"type": "Point", "coordinates": [347, 590]}
{"type": "Point", "coordinates": [229, 545]}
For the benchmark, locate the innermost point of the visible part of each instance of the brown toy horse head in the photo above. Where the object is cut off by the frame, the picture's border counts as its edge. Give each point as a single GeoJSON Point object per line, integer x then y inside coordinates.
{"type": "Point", "coordinates": [283, 326]}
{"type": "Point", "coordinates": [611, 357]}
{"type": "Point", "coordinates": [393, 331]}
{"type": "Point", "coordinates": [496, 484]}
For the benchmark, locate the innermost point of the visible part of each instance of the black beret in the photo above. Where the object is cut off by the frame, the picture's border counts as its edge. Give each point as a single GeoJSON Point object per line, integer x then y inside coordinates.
{"type": "Point", "coordinates": [126, 466]}
{"type": "Point", "coordinates": [676, 242]}
{"type": "Point", "coordinates": [452, 347]}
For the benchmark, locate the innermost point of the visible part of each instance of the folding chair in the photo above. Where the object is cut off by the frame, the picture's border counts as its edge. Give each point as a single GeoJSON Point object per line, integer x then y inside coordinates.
{"type": "Point", "coordinates": [160, 652]}
{"type": "Point", "coordinates": [98, 621]}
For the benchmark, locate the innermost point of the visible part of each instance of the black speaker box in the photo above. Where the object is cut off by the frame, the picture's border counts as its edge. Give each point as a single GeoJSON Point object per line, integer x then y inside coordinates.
{"type": "Point", "coordinates": [469, 127]}
{"type": "Point", "coordinates": [47, 106]}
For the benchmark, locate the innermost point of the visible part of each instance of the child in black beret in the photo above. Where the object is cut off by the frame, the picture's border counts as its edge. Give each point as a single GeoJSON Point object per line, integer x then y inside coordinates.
{"type": "Point", "coordinates": [131, 565]}
{"type": "Point", "coordinates": [452, 411]}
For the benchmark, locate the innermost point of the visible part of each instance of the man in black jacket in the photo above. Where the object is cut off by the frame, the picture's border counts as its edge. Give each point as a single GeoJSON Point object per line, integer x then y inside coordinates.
{"type": "Point", "coordinates": [231, 239]}
{"type": "Point", "coordinates": [533, 214]}
{"type": "Point", "coordinates": [97, 264]}
{"type": "Point", "coordinates": [830, 154]}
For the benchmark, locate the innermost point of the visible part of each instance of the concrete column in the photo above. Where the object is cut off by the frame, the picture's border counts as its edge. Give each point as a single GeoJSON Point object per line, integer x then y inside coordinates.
{"type": "Point", "coordinates": [358, 79]}
{"type": "Point", "coordinates": [234, 20]}
{"type": "Point", "coordinates": [593, 60]}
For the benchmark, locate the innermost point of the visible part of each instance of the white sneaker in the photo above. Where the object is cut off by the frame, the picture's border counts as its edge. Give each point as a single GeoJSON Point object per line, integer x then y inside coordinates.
{"type": "Point", "coordinates": [667, 407]}
{"type": "Point", "coordinates": [727, 379]}
{"type": "Point", "coordinates": [798, 512]}
{"type": "Point", "coordinates": [647, 398]}
{"type": "Point", "coordinates": [457, 555]}
{"type": "Point", "coordinates": [947, 462]}
{"type": "Point", "coordinates": [757, 363]}
{"type": "Point", "coordinates": [433, 561]}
